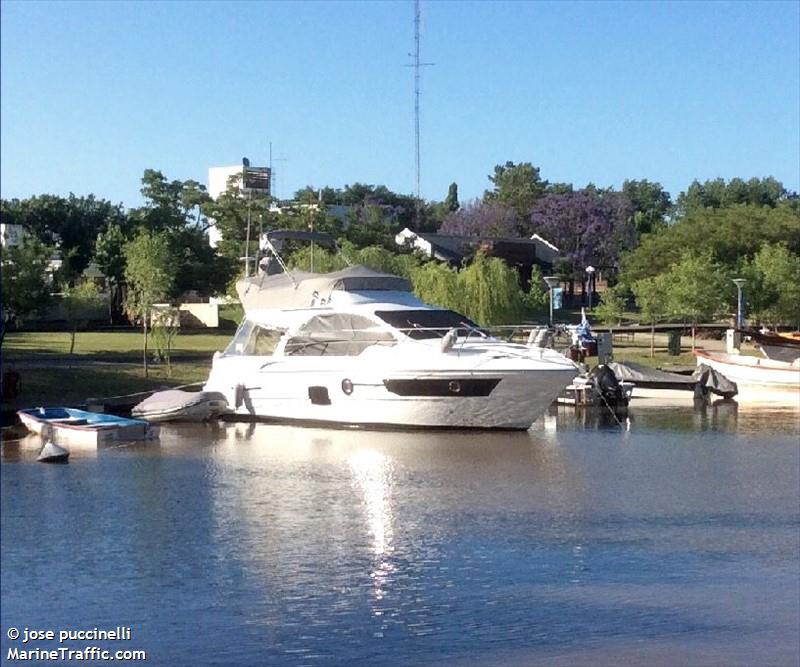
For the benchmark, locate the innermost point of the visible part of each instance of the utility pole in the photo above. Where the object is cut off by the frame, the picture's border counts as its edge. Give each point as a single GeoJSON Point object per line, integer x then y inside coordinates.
{"type": "Point", "coordinates": [417, 64]}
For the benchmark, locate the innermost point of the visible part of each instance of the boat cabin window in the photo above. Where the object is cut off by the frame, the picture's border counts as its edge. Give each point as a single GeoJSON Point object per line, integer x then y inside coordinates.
{"type": "Point", "coordinates": [337, 334]}
{"type": "Point", "coordinates": [420, 324]}
{"type": "Point", "coordinates": [254, 340]}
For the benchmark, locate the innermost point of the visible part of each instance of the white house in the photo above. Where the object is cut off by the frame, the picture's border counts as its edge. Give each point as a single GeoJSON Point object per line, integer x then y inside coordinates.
{"type": "Point", "coordinates": [11, 235]}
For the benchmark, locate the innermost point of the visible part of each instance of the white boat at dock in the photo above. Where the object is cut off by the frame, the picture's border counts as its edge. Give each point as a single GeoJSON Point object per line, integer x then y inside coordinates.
{"type": "Point", "coordinates": [758, 379]}
{"type": "Point", "coordinates": [356, 347]}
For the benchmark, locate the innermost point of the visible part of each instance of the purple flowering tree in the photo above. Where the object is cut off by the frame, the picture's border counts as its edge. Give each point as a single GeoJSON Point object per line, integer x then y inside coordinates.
{"type": "Point", "coordinates": [589, 226]}
{"type": "Point", "coordinates": [477, 218]}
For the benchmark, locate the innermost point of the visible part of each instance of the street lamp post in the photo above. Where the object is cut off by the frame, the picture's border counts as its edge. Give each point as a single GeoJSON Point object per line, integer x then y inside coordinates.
{"type": "Point", "coordinates": [552, 282]}
{"type": "Point", "coordinates": [739, 302]}
{"type": "Point", "coordinates": [589, 286]}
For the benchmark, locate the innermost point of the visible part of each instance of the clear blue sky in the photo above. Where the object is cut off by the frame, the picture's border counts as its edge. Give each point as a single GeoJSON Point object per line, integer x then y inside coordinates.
{"type": "Point", "coordinates": [93, 93]}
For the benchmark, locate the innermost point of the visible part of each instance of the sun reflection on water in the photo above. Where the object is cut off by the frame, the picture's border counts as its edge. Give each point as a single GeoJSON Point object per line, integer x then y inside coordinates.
{"type": "Point", "coordinates": [373, 478]}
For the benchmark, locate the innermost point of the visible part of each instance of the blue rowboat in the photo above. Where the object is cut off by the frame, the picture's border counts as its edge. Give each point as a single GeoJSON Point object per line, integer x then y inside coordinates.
{"type": "Point", "coordinates": [70, 426]}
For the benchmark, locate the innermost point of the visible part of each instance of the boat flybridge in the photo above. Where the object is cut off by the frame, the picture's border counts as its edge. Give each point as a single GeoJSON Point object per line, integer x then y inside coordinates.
{"type": "Point", "coordinates": [356, 347]}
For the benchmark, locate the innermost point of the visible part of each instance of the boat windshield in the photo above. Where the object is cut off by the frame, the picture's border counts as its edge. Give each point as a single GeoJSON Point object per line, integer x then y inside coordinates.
{"type": "Point", "coordinates": [420, 324]}
{"type": "Point", "coordinates": [337, 334]}
{"type": "Point", "coordinates": [254, 340]}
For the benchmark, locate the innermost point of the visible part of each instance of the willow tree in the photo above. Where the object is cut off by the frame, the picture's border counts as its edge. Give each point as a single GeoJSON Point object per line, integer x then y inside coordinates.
{"type": "Point", "coordinates": [437, 284]}
{"type": "Point", "coordinates": [490, 291]}
{"type": "Point", "coordinates": [150, 274]}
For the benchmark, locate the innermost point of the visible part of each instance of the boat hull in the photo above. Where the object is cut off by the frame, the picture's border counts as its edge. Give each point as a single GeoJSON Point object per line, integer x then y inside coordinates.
{"type": "Point", "coordinates": [342, 396]}
{"type": "Point", "coordinates": [758, 380]}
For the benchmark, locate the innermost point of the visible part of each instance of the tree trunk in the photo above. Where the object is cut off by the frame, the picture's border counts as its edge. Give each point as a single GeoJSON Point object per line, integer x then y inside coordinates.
{"type": "Point", "coordinates": [693, 337]}
{"type": "Point", "coordinates": [652, 339]}
{"type": "Point", "coordinates": [144, 357]}
{"type": "Point", "coordinates": [72, 341]}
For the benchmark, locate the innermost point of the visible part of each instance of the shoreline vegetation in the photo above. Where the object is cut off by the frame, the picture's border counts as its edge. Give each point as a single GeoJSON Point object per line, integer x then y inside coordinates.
{"type": "Point", "coordinates": [628, 249]}
{"type": "Point", "coordinates": [108, 364]}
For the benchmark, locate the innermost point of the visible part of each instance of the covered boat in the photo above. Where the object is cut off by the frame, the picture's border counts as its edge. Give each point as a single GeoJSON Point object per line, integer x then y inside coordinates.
{"type": "Point", "coordinates": [655, 383]}
{"type": "Point", "coordinates": [178, 405]}
{"type": "Point", "coordinates": [758, 379]}
{"type": "Point", "coordinates": [356, 347]}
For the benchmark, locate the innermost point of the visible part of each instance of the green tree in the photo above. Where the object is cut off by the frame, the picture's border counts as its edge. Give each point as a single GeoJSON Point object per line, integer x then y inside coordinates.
{"type": "Point", "coordinates": [536, 299]}
{"type": "Point", "coordinates": [169, 205]}
{"type": "Point", "coordinates": [612, 305]}
{"type": "Point", "coordinates": [232, 212]}
{"type": "Point", "coordinates": [166, 325]}
{"type": "Point", "coordinates": [25, 283]}
{"type": "Point", "coordinates": [732, 235]}
{"type": "Point", "coordinates": [651, 297]}
{"type": "Point", "coordinates": [437, 284]}
{"type": "Point", "coordinates": [150, 274]}
{"type": "Point", "coordinates": [516, 186]}
{"type": "Point", "coordinates": [718, 193]}
{"type": "Point", "coordinates": [110, 258]}
{"type": "Point", "coordinates": [697, 288]}
{"type": "Point", "coordinates": [778, 285]}
{"type": "Point", "coordinates": [78, 302]}
{"type": "Point", "coordinates": [324, 261]}
{"type": "Point", "coordinates": [372, 225]}
{"type": "Point", "coordinates": [177, 208]}
{"type": "Point", "coordinates": [490, 291]}
{"type": "Point", "coordinates": [451, 202]}
{"type": "Point", "coordinates": [68, 224]}
{"type": "Point", "coordinates": [650, 204]}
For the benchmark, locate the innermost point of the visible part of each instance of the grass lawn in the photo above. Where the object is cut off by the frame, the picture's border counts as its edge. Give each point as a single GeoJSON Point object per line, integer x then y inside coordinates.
{"type": "Point", "coordinates": [62, 385]}
{"type": "Point", "coordinates": [104, 364]}
{"type": "Point", "coordinates": [106, 344]}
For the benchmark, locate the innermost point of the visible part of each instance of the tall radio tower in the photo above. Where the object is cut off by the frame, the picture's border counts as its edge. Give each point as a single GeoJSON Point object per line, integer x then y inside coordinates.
{"type": "Point", "coordinates": [417, 64]}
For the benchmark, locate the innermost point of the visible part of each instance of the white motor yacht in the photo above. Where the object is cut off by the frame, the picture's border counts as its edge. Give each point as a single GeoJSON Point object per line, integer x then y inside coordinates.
{"type": "Point", "coordinates": [356, 347]}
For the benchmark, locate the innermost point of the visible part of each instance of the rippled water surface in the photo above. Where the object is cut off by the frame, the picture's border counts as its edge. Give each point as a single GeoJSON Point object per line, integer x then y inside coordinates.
{"type": "Point", "coordinates": [674, 539]}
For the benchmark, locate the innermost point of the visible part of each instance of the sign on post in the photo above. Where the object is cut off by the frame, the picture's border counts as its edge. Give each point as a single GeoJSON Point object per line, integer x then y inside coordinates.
{"type": "Point", "coordinates": [557, 291]}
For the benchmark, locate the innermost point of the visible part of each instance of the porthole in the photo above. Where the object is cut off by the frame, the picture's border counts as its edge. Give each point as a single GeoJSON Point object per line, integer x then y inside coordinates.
{"type": "Point", "coordinates": [454, 387]}
{"type": "Point", "coordinates": [347, 386]}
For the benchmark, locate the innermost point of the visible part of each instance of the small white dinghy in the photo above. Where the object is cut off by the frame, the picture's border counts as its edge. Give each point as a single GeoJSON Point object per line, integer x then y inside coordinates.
{"type": "Point", "coordinates": [178, 405]}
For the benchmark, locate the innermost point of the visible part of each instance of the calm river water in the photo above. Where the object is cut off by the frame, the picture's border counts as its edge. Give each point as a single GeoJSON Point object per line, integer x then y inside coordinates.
{"type": "Point", "coordinates": [674, 540]}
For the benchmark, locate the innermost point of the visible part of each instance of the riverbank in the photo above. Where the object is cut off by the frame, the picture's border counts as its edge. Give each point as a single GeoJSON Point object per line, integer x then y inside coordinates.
{"type": "Point", "coordinates": [103, 364]}
{"type": "Point", "coordinates": [110, 363]}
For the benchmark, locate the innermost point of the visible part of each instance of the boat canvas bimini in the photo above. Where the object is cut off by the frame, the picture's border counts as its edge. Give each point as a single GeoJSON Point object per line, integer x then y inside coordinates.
{"type": "Point", "coordinates": [356, 347]}
{"type": "Point", "coordinates": [73, 427]}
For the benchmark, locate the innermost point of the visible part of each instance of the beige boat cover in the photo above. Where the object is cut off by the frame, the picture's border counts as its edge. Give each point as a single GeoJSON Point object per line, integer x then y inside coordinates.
{"type": "Point", "coordinates": [301, 289]}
